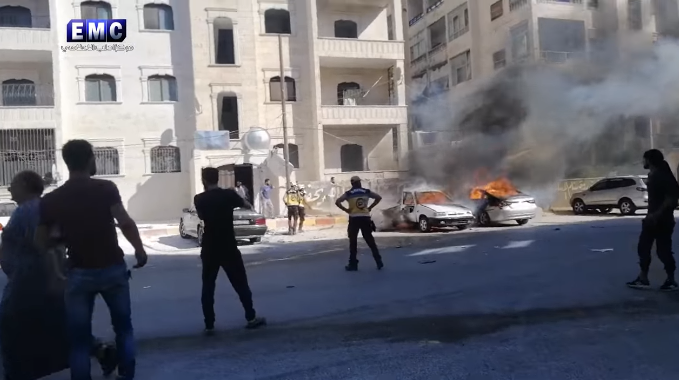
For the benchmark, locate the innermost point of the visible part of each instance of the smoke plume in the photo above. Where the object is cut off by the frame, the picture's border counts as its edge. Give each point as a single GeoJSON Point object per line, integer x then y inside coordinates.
{"type": "Point", "coordinates": [539, 123]}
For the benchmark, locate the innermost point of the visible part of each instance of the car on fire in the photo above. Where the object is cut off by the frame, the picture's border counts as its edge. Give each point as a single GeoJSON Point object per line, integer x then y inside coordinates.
{"type": "Point", "coordinates": [499, 201]}
{"type": "Point", "coordinates": [428, 209]}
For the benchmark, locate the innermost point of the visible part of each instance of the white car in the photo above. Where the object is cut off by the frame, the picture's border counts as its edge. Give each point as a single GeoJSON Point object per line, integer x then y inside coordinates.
{"type": "Point", "coordinates": [6, 210]}
{"type": "Point", "coordinates": [626, 193]}
{"type": "Point", "coordinates": [520, 208]}
{"type": "Point", "coordinates": [428, 209]}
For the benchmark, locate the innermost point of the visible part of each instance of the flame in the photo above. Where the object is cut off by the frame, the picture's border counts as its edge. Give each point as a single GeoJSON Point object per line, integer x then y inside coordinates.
{"type": "Point", "coordinates": [501, 188]}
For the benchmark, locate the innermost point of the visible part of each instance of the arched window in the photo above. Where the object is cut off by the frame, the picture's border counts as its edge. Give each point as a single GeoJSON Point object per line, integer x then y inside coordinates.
{"type": "Point", "coordinates": [275, 89]}
{"type": "Point", "coordinates": [107, 160]}
{"type": "Point", "coordinates": [346, 29]}
{"type": "Point", "coordinates": [293, 151]}
{"type": "Point", "coordinates": [162, 88]}
{"type": "Point", "coordinates": [225, 47]}
{"type": "Point", "coordinates": [351, 158]}
{"type": "Point", "coordinates": [18, 92]}
{"type": "Point", "coordinates": [277, 21]}
{"type": "Point", "coordinates": [95, 10]}
{"type": "Point", "coordinates": [348, 93]}
{"type": "Point", "coordinates": [158, 17]}
{"type": "Point", "coordinates": [165, 159]}
{"type": "Point", "coordinates": [100, 88]}
{"type": "Point", "coordinates": [16, 17]}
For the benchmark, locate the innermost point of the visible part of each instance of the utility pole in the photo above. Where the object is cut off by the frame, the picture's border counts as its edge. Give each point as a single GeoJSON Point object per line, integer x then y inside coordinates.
{"type": "Point", "coordinates": [650, 131]}
{"type": "Point", "coordinates": [286, 152]}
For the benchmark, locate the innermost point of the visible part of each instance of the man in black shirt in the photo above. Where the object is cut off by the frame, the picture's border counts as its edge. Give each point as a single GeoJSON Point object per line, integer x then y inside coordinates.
{"type": "Point", "coordinates": [219, 249]}
{"type": "Point", "coordinates": [658, 225]}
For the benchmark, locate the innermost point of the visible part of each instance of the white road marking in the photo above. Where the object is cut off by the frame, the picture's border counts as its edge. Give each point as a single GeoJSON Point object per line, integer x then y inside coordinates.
{"type": "Point", "coordinates": [602, 250]}
{"type": "Point", "coordinates": [441, 251]}
{"type": "Point", "coordinates": [518, 244]}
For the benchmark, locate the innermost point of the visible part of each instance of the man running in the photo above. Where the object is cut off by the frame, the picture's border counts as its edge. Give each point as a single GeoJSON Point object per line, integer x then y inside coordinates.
{"type": "Point", "coordinates": [84, 210]}
{"type": "Point", "coordinates": [219, 248]}
{"type": "Point", "coordinates": [291, 201]}
{"type": "Point", "coordinates": [658, 225]}
{"type": "Point", "coordinates": [359, 220]}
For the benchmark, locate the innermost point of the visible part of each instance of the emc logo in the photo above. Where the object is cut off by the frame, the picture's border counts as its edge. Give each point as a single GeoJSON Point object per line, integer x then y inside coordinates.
{"type": "Point", "coordinates": [96, 30]}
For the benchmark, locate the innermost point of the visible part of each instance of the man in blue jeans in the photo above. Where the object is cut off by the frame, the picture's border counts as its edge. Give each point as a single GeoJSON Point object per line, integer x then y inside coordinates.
{"type": "Point", "coordinates": [84, 210]}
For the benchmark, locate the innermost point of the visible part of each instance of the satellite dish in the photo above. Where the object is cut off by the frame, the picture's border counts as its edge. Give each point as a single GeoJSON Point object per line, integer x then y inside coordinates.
{"type": "Point", "coordinates": [256, 139]}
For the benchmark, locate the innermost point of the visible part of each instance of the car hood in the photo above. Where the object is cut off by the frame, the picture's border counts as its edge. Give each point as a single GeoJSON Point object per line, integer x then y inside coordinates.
{"type": "Point", "coordinates": [451, 208]}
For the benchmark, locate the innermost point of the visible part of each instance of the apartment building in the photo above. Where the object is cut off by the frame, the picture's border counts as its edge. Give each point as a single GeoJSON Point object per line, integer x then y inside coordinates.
{"type": "Point", "coordinates": [204, 65]}
{"type": "Point", "coordinates": [453, 42]}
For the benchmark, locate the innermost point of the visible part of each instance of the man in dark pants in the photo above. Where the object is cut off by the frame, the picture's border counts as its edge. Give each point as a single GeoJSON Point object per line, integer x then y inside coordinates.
{"type": "Point", "coordinates": [663, 193]}
{"type": "Point", "coordinates": [359, 220]}
{"type": "Point", "coordinates": [219, 249]}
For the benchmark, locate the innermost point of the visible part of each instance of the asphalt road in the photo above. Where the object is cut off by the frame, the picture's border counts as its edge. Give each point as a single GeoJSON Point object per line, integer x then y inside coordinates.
{"type": "Point", "coordinates": [540, 303]}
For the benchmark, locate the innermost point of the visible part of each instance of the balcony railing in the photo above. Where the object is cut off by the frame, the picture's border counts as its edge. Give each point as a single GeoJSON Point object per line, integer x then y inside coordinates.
{"type": "Point", "coordinates": [27, 95]}
{"type": "Point", "coordinates": [560, 56]}
{"type": "Point", "coordinates": [26, 149]}
{"type": "Point", "coordinates": [357, 48]}
{"type": "Point", "coordinates": [517, 4]}
{"type": "Point", "coordinates": [561, 1]}
{"type": "Point", "coordinates": [12, 21]}
{"type": "Point", "coordinates": [434, 6]}
{"type": "Point", "coordinates": [459, 33]}
{"type": "Point", "coordinates": [363, 114]}
{"type": "Point", "coordinates": [415, 19]}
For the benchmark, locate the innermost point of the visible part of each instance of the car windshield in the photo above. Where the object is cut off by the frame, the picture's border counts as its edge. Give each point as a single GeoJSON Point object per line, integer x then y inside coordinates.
{"type": "Point", "coordinates": [6, 209]}
{"type": "Point", "coordinates": [432, 198]}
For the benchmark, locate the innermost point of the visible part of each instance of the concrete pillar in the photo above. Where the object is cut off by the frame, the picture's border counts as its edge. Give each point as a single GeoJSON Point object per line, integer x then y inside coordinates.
{"type": "Point", "coordinates": [400, 82]}
{"type": "Point", "coordinates": [397, 16]}
{"type": "Point", "coordinates": [402, 130]}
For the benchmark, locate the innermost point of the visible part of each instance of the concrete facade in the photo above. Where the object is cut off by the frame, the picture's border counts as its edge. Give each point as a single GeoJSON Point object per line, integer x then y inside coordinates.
{"type": "Point", "coordinates": [173, 80]}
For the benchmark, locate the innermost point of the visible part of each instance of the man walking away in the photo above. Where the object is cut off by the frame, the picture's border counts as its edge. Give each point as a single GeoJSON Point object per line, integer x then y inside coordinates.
{"type": "Point", "coordinates": [291, 201]}
{"type": "Point", "coordinates": [301, 196]}
{"type": "Point", "coordinates": [658, 225]}
{"type": "Point", "coordinates": [359, 220]}
{"type": "Point", "coordinates": [267, 204]}
{"type": "Point", "coordinates": [85, 210]}
{"type": "Point", "coordinates": [219, 249]}
{"type": "Point", "coordinates": [242, 191]}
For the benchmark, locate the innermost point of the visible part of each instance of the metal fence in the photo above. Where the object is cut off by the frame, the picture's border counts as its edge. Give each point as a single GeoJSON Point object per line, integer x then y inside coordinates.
{"type": "Point", "coordinates": [26, 149]}
{"type": "Point", "coordinates": [10, 20]}
{"type": "Point", "coordinates": [517, 4]}
{"type": "Point", "coordinates": [27, 95]}
{"type": "Point", "coordinates": [165, 159]}
{"type": "Point", "coordinates": [107, 160]}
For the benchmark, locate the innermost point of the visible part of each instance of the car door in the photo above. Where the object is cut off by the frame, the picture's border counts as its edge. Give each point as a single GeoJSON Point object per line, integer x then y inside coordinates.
{"type": "Point", "coordinates": [596, 193]}
{"type": "Point", "coordinates": [408, 208]}
{"type": "Point", "coordinates": [610, 195]}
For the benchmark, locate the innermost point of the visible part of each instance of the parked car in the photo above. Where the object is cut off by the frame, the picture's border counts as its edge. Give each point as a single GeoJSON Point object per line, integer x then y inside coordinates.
{"type": "Point", "coordinates": [248, 225]}
{"type": "Point", "coordinates": [519, 207]}
{"type": "Point", "coordinates": [6, 210]}
{"type": "Point", "coordinates": [626, 193]}
{"type": "Point", "coordinates": [428, 209]}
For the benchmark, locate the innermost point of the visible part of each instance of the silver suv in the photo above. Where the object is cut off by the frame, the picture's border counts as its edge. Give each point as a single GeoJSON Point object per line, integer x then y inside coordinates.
{"type": "Point", "coordinates": [627, 193]}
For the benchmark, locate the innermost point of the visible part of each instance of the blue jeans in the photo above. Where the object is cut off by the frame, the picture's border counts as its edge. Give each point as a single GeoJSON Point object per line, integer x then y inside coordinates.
{"type": "Point", "coordinates": [82, 288]}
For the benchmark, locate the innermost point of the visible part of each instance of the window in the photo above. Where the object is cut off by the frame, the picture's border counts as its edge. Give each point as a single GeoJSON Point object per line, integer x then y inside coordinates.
{"type": "Point", "coordinates": [100, 88]}
{"type": "Point", "coordinates": [461, 67]}
{"type": "Point", "coordinates": [275, 89]}
{"type": "Point", "coordinates": [225, 48]}
{"type": "Point", "coordinates": [16, 17]}
{"type": "Point", "coordinates": [26, 149]}
{"type": "Point", "coordinates": [162, 88]}
{"type": "Point", "coordinates": [408, 199]}
{"type": "Point", "coordinates": [390, 28]}
{"type": "Point", "coordinates": [348, 93]}
{"type": "Point", "coordinates": [601, 185]}
{"type": "Point", "coordinates": [277, 21]}
{"type": "Point", "coordinates": [437, 33]}
{"type": "Point", "coordinates": [634, 16]}
{"type": "Point", "coordinates": [499, 59]}
{"type": "Point", "coordinates": [228, 117]}
{"type": "Point", "coordinates": [419, 47]}
{"type": "Point", "coordinates": [458, 22]}
{"type": "Point", "coordinates": [95, 10]}
{"type": "Point", "coordinates": [346, 29]}
{"type": "Point", "coordinates": [520, 42]}
{"type": "Point", "coordinates": [18, 92]}
{"type": "Point", "coordinates": [165, 159]}
{"type": "Point", "coordinates": [351, 158]}
{"type": "Point", "coordinates": [627, 182]}
{"type": "Point", "coordinates": [158, 17]}
{"type": "Point", "coordinates": [517, 4]}
{"type": "Point", "coordinates": [293, 153]}
{"type": "Point", "coordinates": [107, 161]}
{"type": "Point", "coordinates": [496, 10]}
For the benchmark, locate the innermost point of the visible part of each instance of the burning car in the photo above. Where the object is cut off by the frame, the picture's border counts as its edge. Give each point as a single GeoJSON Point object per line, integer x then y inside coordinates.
{"type": "Point", "coordinates": [428, 209]}
{"type": "Point", "coordinates": [500, 201]}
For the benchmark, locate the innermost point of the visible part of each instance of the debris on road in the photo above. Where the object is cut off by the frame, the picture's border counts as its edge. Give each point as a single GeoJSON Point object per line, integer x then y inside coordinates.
{"type": "Point", "coordinates": [427, 261]}
{"type": "Point", "coordinates": [602, 250]}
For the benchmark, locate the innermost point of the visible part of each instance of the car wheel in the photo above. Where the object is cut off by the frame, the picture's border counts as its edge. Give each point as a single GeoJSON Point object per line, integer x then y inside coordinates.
{"type": "Point", "coordinates": [522, 221]}
{"type": "Point", "coordinates": [627, 207]}
{"type": "Point", "coordinates": [424, 224]}
{"type": "Point", "coordinates": [484, 219]}
{"type": "Point", "coordinates": [256, 240]}
{"type": "Point", "coordinates": [200, 236]}
{"type": "Point", "coordinates": [579, 207]}
{"type": "Point", "coordinates": [182, 232]}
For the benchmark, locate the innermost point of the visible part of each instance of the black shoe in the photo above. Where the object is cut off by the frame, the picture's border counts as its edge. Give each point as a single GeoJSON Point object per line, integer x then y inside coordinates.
{"type": "Point", "coordinates": [639, 284]}
{"type": "Point", "coordinates": [209, 331]}
{"type": "Point", "coordinates": [255, 323]}
{"type": "Point", "coordinates": [380, 264]}
{"type": "Point", "coordinates": [108, 359]}
{"type": "Point", "coordinates": [351, 267]}
{"type": "Point", "coordinates": [669, 286]}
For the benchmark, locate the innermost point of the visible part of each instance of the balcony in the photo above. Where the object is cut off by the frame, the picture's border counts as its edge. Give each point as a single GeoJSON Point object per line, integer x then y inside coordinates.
{"type": "Point", "coordinates": [26, 106]}
{"type": "Point", "coordinates": [558, 57]}
{"type": "Point", "coordinates": [31, 36]}
{"type": "Point", "coordinates": [363, 115]}
{"type": "Point", "coordinates": [352, 52]}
